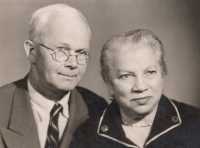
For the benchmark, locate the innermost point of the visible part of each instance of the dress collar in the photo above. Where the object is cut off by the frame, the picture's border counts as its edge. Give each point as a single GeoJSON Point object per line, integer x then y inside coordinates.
{"type": "Point", "coordinates": [167, 117]}
{"type": "Point", "coordinates": [43, 105]}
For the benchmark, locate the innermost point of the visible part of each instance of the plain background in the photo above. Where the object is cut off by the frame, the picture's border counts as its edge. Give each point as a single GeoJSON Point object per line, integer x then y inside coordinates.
{"type": "Point", "coordinates": [175, 22]}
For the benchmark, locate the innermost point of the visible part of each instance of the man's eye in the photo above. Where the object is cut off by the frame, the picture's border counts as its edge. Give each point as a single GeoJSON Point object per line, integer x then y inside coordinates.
{"type": "Point", "coordinates": [83, 52]}
{"type": "Point", "coordinates": [61, 48]}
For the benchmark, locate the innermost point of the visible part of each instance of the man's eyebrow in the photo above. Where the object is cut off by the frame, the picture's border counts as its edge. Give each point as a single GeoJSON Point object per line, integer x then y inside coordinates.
{"type": "Point", "coordinates": [65, 44]}
{"type": "Point", "coordinates": [78, 50]}
{"type": "Point", "coordinates": [84, 49]}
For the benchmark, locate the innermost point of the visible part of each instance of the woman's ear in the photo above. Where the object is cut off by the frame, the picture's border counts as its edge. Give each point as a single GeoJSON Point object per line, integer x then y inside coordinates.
{"type": "Point", "coordinates": [30, 51]}
{"type": "Point", "coordinates": [110, 89]}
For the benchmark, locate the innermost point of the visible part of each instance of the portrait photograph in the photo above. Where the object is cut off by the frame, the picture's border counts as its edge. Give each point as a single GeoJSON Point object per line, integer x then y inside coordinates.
{"type": "Point", "coordinates": [99, 73]}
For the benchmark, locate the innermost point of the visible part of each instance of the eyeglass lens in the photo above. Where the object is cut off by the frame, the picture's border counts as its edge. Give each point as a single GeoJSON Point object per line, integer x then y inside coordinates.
{"type": "Point", "coordinates": [62, 56]}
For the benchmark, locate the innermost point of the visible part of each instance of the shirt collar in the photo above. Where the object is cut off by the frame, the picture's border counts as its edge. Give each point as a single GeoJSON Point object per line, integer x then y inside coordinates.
{"type": "Point", "coordinates": [43, 105]}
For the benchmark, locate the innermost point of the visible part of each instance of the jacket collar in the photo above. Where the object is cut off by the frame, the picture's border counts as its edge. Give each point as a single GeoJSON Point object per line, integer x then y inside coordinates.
{"type": "Point", "coordinates": [167, 117]}
{"type": "Point", "coordinates": [22, 130]}
{"type": "Point", "coordinates": [78, 113]}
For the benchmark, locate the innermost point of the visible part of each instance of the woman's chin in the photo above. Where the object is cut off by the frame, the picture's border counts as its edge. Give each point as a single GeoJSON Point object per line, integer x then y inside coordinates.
{"type": "Point", "coordinates": [141, 110]}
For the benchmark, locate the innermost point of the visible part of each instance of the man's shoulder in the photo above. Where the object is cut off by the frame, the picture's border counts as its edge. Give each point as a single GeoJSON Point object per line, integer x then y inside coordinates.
{"type": "Point", "coordinates": [11, 86]}
{"type": "Point", "coordinates": [86, 93]}
{"type": "Point", "coordinates": [7, 90]}
{"type": "Point", "coordinates": [94, 102]}
{"type": "Point", "coordinates": [6, 101]}
{"type": "Point", "coordinates": [90, 97]}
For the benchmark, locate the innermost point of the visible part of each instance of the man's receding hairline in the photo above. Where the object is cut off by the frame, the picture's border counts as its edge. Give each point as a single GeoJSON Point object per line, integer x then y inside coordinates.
{"type": "Point", "coordinates": [43, 16]}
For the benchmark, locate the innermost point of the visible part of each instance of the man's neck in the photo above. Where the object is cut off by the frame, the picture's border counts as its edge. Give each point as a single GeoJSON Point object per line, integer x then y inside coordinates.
{"type": "Point", "coordinates": [47, 91]}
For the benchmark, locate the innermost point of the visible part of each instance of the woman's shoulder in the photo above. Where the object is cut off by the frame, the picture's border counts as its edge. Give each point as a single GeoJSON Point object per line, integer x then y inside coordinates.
{"type": "Point", "coordinates": [187, 111]}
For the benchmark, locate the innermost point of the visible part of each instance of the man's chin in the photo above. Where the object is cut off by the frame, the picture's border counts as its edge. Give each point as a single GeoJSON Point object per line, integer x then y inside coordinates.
{"type": "Point", "coordinates": [66, 87]}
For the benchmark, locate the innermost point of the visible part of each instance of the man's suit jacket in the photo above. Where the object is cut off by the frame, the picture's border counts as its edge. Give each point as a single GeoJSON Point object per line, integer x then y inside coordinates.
{"type": "Point", "coordinates": [17, 123]}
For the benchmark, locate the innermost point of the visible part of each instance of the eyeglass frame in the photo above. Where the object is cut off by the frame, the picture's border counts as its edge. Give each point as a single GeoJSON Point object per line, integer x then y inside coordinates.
{"type": "Point", "coordinates": [54, 53]}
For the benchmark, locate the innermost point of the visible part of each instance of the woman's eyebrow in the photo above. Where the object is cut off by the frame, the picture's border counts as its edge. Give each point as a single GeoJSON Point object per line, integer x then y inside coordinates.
{"type": "Point", "coordinates": [153, 66]}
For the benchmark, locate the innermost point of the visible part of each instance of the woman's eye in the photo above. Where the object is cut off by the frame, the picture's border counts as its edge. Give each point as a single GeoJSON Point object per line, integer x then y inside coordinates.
{"type": "Point", "coordinates": [125, 76]}
{"type": "Point", "coordinates": [152, 72]}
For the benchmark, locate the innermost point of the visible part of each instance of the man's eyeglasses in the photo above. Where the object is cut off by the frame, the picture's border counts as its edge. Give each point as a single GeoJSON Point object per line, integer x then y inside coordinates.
{"type": "Point", "coordinates": [61, 54]}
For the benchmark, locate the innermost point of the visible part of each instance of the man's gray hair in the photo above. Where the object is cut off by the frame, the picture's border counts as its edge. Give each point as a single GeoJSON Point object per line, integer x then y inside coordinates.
{"type": "Point", "coordinates": [130, 39]}
{"type": "Point", "coordinates": [42, 18]}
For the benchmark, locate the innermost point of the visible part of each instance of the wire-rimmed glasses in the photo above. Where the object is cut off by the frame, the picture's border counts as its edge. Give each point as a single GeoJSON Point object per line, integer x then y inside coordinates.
{"type": "Point", "coordinates": [61, 54]}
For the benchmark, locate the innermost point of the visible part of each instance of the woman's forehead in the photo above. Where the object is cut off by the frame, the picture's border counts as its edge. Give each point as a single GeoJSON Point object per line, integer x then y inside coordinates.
{"type": "Point", "coordinates": [142, 56]}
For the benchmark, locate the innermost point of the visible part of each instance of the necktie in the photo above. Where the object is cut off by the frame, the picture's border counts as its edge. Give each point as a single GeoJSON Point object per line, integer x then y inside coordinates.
{"type": "Point", "coordinates": [53, 132]}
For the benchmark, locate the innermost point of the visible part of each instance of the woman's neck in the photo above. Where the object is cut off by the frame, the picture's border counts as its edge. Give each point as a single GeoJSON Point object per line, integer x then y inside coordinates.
{"type": "Point", "coordinates": [138, 119]}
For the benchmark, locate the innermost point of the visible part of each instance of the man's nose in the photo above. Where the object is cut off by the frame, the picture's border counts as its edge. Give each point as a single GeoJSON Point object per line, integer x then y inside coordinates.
{"type": "Point", "coordinates": [140, 85]}
{"type": "Point", "coordinates": [71, 63]}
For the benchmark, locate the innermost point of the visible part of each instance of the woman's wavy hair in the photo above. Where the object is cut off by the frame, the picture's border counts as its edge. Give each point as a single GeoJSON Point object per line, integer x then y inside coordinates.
{"type": "Point", "coordinates": [131, 40]}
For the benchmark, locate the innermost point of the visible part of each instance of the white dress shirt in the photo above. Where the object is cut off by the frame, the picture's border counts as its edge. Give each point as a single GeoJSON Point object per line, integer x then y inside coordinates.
{"type": "Point", "coordinates": [42, 107]}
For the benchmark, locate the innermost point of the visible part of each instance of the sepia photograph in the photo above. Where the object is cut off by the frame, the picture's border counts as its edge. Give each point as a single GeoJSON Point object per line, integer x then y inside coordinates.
{"type": "Point", "coordinates": [99, 73]}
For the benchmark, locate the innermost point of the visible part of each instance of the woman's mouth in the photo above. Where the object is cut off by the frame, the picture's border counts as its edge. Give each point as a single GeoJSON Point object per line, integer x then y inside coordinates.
{"type": "Point", "coordinates": [141, 100]}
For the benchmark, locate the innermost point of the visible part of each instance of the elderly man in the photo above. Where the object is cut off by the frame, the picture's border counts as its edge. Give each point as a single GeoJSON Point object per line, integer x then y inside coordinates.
{"type": "Point", "coordinates": [45, 108]}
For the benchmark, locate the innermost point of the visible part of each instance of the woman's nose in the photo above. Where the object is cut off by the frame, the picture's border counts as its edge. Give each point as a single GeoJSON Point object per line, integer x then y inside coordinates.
{"type": "Point", "coordinates": [140, 85]}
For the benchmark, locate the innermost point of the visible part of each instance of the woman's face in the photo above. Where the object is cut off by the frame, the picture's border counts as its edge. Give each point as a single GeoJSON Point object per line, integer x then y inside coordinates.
{"type": "Point", "coordinates": [137, 81]}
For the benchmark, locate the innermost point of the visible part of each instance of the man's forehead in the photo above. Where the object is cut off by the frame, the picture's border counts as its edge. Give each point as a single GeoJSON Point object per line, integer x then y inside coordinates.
{"type": "Point", "coordinates": [75, 26]}
{"type": "Point", "coordinates": [68, 19]}
{"type": "Point", "coordinates": [70, 38]}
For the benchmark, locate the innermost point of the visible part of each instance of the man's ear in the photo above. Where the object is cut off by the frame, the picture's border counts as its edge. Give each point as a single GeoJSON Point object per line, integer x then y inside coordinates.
{"type": "Point", "coordinates": [30, 51]}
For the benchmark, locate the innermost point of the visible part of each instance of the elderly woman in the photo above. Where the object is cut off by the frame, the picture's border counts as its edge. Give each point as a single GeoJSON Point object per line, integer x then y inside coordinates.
{"type": "Point", "coordinates": [140, 116]}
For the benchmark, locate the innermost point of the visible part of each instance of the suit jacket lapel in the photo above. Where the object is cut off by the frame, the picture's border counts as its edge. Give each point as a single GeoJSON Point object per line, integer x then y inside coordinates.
{"type": "Point", "coordinates": [78, 113]}
{"type": "Point", "coordinates": [22, 130]}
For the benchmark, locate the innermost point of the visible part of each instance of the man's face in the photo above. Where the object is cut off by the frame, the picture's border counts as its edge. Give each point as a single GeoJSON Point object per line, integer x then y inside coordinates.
{"type": "Point", "coordinates": [137, 81]}
{"type": "Point", "coordinates": [63, 76]}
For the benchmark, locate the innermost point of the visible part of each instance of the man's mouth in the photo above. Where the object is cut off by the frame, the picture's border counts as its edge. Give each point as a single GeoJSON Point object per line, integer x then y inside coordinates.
{"type": "Point", "coordinates": [68, 75]}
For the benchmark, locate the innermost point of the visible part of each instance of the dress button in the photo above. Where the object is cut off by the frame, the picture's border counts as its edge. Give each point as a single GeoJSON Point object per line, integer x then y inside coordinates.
{"type": "Point", "coordinates": [175, 119]}
{"type": "Point", "coordinates": [104, 128]}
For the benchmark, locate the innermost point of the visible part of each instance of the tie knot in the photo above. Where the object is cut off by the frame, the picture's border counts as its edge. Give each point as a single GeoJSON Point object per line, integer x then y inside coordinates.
{"type": "Point", "coordinates": [57, 108]}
